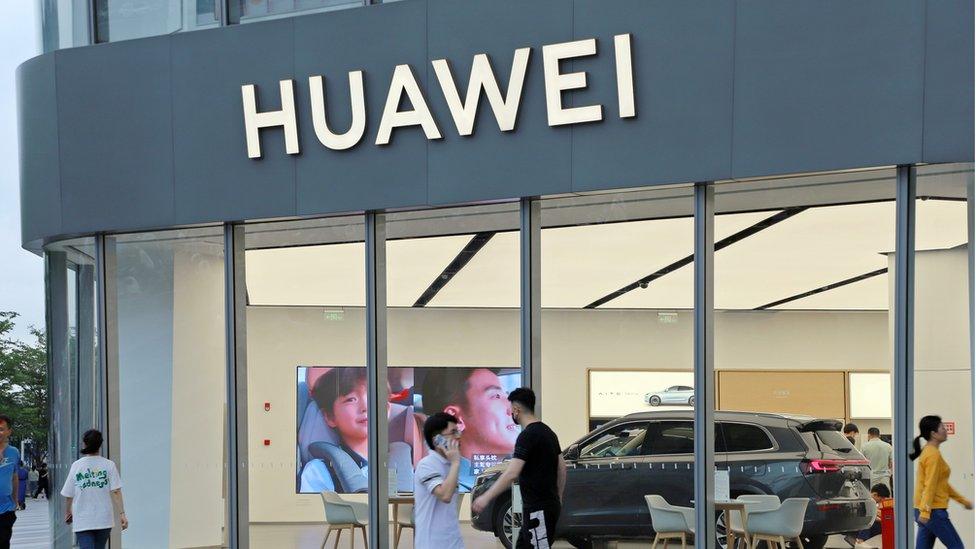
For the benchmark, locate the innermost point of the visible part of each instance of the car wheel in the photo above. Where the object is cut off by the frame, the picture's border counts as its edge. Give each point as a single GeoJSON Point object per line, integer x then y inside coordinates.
{"type": "Point", "coordinates": [691, 401]}
{"type": "Point", "coordinates": [581, 542]}
{"type": "Point", "coordinates": [814, 542]}
{"type": "Point", "coordinates": [721, 541]}
{"type": "Point", "coordinates": [655, 401]}
{"type": "Point", "coordinates": [504, 522]}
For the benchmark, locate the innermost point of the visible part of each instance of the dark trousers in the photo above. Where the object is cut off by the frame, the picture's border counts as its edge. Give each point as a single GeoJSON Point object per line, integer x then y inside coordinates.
{"type": "Point", "coordinates": [42, 486]}
{"type": "Point", "coordinates": [938, 527]}
{"type": "Point", "coordinates": [538, 526]}
{"type": "Point", "coordinates": [93, 539]}
{"type": "Point", "coordinates": [7, 521]}
{"type": "Point", "coordinates": [869, 533]}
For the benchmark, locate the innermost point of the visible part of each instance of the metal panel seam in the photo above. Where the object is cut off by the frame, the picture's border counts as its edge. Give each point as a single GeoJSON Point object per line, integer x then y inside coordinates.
{"type": "Point", "coordinates": [172, 129]}
{"type": "Point", "coordinates": [925, 63]}
{"type": "Point", "coordinates": [735, 19]}
{"type": "Point", "coordinates": [57, 124]}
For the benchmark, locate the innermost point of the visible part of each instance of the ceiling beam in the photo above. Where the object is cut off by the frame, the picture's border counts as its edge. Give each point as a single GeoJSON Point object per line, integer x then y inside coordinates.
{"type": "Point", "coordinates": [725, 242]}
{"type": "Point", "coordinates": [466, 254]}
{"type": "Point", "coordinates": [822, 289]}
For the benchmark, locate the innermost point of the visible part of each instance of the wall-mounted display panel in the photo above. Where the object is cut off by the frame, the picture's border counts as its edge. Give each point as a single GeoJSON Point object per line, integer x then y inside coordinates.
{"type": "Point", "coordinates": [333, 427]}
{"type": "Point", "coordinates": [615, 393]}
{"type": "Point", "coordinates": [819, 394]}
{"type": "Point", "coordinates": [870, 395]}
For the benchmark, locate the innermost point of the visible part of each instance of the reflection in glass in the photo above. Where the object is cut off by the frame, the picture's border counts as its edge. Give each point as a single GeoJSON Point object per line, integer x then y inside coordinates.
{"type": "Point", "coordinates": [247, 11]}
{"type": "Point", "coordinates": [126, 19]}
{"type": "Point", "coordinates": [74, 384]}
{"type": "Point", "coordinates": [64, 24]}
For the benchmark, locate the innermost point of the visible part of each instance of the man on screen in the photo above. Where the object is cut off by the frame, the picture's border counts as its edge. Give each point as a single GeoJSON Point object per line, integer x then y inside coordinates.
{"type": "Point", "coordinates": [476, 398]}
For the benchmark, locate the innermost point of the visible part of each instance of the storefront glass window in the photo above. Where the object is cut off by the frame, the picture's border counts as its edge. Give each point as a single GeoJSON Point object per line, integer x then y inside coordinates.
{"type": "Point", "coordinates": [803, 341]}
{"type": "Point", "coordinates": [64, 24]}
{"type": "Point", "coordinates": [617, 283]}
{"type": "Point", "coordinates": [247, 11]}
{"type": "Point", "coordinates": [453, 329]}
{"type": "Point", "coordinates": [126, 19]}
{"type": "Point", "coordinates": [307, 393]}
{"type": "Point", "coordinates": [74, 382]}
{"type": "Point", "coordinates": [171, 385]}
{"type": "Point", "coordinates": [943, 333]}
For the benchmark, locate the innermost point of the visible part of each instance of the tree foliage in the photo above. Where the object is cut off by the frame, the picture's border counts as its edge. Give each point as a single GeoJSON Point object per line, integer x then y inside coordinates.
{"type": "Point", "coordinates": [23, 383]}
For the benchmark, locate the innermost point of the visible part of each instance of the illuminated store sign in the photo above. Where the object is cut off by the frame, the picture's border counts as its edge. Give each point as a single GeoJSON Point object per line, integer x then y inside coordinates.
{"type": "Point", "coordinates": [463, 111]}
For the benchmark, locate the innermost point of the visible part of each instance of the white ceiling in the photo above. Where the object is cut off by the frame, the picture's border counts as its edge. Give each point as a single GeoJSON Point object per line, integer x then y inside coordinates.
{"type": "Point", "coordinates": [580, 264]}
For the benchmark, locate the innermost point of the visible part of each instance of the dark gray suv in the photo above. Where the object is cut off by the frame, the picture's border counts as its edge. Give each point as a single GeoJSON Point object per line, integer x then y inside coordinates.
{"type": "Point", "coordinates": [614, 467]}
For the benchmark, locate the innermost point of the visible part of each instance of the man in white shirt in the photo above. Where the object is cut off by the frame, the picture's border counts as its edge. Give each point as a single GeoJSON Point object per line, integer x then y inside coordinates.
{"type": "Point", "coordinates": [436, 486]}
{"type": "Point", "coordinates": [879, 454]}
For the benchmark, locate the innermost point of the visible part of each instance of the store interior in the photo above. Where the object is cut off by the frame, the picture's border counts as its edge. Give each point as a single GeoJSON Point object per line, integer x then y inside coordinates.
{"type": "Point", "coordinates": [803, 323]}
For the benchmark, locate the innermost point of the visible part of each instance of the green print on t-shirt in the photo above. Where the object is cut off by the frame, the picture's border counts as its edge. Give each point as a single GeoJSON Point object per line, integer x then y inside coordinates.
{"type": "Point", "coordinates": [91, 479]}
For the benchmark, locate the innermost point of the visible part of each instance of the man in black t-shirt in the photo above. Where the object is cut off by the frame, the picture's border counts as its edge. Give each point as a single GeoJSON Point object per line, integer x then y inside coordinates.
{"type": "Point", "coordinates": [538, 464]}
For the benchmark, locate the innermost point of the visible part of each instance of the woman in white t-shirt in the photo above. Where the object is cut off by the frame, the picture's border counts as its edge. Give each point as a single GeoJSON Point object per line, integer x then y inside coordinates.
{"type": "Point", "coordinates": [92, 485]}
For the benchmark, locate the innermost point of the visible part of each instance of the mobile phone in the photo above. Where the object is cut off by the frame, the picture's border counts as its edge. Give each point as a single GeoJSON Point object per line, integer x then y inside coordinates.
{"type": "Point", "coordinates": [441, 441]}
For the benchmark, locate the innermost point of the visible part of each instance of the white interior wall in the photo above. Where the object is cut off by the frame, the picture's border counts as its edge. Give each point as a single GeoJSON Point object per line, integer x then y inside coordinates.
{"type": "Point", "coordinates": [943, 375]}
{"type": "Point", "coordinates": [282, 338]}
{"type": "Point", "coordinates": [197, 456]}
{"type": "Point", "coordinates": [145, 347]}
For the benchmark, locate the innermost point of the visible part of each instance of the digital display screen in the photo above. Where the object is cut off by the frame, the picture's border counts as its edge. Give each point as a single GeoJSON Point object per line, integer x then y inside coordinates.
{"type": "Point", "coordinates": [332, 422]}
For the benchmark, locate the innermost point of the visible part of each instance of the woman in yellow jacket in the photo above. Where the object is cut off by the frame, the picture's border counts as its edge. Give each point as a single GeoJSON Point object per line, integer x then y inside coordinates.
{"type": "Point", "coordinates": [932, 489]}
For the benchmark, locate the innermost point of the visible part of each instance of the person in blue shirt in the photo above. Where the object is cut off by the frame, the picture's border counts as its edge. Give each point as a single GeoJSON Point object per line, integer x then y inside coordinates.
{"type": "Point", "coordinates": [9, 483]}
{"type": "Point", "coordinates": [22, 484]}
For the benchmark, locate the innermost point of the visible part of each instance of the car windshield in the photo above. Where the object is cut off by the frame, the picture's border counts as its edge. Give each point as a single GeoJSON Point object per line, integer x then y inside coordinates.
{"type": "Point", "coordinates": [624, 440]}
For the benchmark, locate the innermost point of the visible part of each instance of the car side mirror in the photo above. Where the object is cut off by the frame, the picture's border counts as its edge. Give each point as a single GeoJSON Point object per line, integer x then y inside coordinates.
{"type": "Point", "coordinates": [572, 453]}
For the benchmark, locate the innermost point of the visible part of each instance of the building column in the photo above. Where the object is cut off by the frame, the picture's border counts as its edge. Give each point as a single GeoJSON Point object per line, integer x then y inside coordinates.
{"type": "Point", "coordinates": [377, 379]}
{"type": "Point", "coordinates": [530, 236]}
{"type": "Point", "coordinates": [704, 364]}
{"type": "Point", "coordinates": [903, 410]}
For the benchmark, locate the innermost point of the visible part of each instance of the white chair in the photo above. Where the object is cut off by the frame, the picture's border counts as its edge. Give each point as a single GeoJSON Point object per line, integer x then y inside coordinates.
{"type": "Point", "coordinates": [777, 526]}
{"type": "Point", "coordinates": [733, 519]}
{"type": "Point", "coordinates": [670, 521]}
{"type": "Point", "coordinates": [405, 519]}
{"type": "Point", "coordinates": [341, 515]}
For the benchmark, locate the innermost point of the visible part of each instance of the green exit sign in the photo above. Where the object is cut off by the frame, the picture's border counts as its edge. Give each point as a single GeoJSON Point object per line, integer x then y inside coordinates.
{"type": "Point", "coordinates": [334, 315]}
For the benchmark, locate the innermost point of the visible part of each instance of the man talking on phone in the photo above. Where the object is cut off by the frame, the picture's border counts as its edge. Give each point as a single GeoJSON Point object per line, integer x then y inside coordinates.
{"type": "Point", "coordinates": [436, 486]}
{"type": "Point", "coordinates": [541, 471]}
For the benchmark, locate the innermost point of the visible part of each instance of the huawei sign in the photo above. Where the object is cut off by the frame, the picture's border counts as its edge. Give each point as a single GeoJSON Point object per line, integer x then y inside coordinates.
{"type": "Point", "coordinates": [463, 110]}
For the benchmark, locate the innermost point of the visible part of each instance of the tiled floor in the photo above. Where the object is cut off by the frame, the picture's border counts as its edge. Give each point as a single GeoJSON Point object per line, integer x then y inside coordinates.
{"type": "Point", "coordinates": [310, 536]}
{"type": "Point", "coordinates": [33, 527]}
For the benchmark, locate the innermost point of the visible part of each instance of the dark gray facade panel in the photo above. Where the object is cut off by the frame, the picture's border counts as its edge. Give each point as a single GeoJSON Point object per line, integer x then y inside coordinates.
{"type": "Point", "coordinates": [367, 176]}
{"type": "Point", "coordinates": [683, 79]}
{"type": "Point", "coordinates": [149, 133]}
{"type": "Point", "coordinates": [949, 77]}
{"type": "Point", "coordinates": [37, 125]}
{"type": "Point", "coordinates": [116, 136]}
{"type": "Point", "coordinates": [827, 85]}
{"type": "Point", "coordinates": [214, 178]}
{"type": "Point", "coordinates": [491, 164]}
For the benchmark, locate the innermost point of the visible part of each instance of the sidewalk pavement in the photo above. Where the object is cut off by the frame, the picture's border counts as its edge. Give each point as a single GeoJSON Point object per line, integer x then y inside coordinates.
{"type": "Point", "coordinates": [32, 529]}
